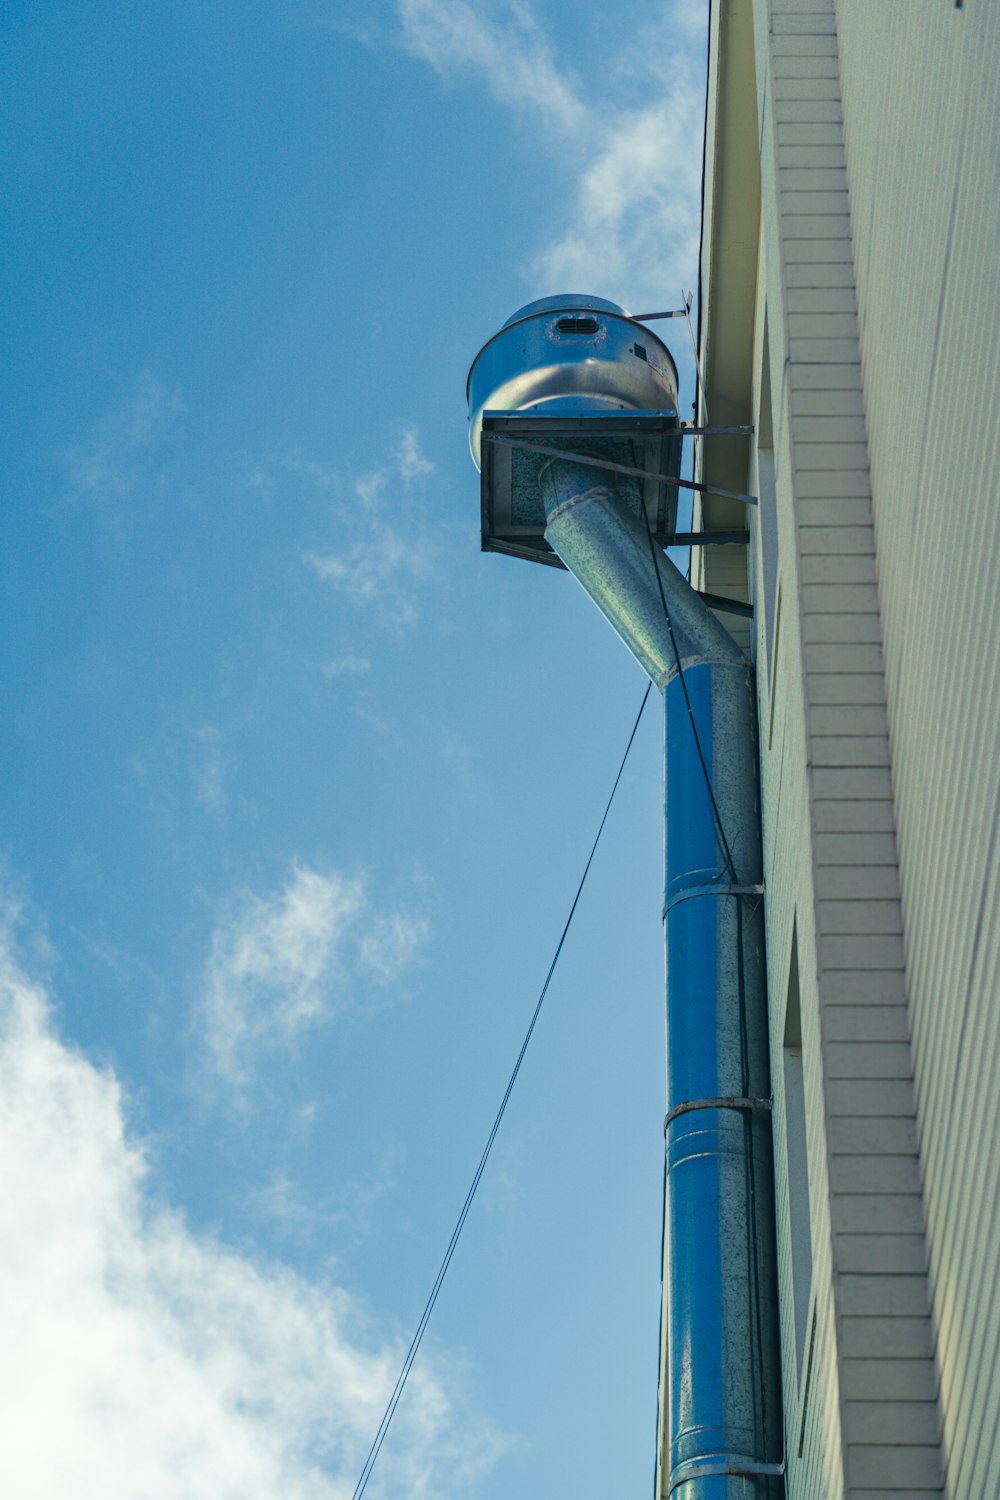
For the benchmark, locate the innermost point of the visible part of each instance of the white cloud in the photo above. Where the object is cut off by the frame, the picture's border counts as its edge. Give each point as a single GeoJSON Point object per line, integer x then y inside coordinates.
{"type": "Point", "coordinates": [391, 945]}
{"type": "Point", "coordinates": [107, 464]}
{"type": "Point", "coordinates": [628, 228]}
{"type": "Point", "coordinates": [515, 60]}
{"type": "Point", "coordinates": [369, 488]}
{"type": "Point", "coordinates": [380, 567]}
{"type": "Point", "coordinates": [410, 461]}
{"type": "Point", "coordinates": [632, 231]}
{"type": "Point", "coordinates": [281, 965]}
{"type": "Point", "coordinates": [384, 563]}
{"type": "Point", "coordinates": [275, 965]}
{"type": "Point", "coordinates": [143, 1360]}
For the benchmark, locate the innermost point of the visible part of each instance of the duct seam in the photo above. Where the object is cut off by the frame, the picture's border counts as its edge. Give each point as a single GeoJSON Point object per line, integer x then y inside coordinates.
{"type": "Point", "coordinates": [599, 492]}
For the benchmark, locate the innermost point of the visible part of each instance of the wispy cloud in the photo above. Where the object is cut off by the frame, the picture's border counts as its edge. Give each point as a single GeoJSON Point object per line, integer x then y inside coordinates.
{"type": "Point", "coordinates": [283, 964]}
{"type": "Point", "coordinates": [208, 770]}
{"type": "Point", "coordinates": [293, 1211]}
{"type": "Point", "coordinates": [460, 758]}
{"type": "Point", "coordinates": [342, 666]}
{"type": "Point", "coordinates": [628, 227]}
{"type": "Point", "coordinates": [631, 231]}
{"type": "Point", "coordinates": [410, 461]}
{"type": "Point", "coordinates": [513, 57]}
{"type": "Point", "coordinates": [141, 1358]}
{"type": "Point", "coordinates": [384, 562]}
{"type": "Point", "coordinates": [185, 773]}
{"type": "Point", "coordinates": [108, 464]}
{"type": "Point", "coordinates": [502, 1192]}
{"type": "Point", "coordinates": [382, 566]}
{"type": "Point", "coordinates": [264, 474]}
{"type": "Point", "coordinates": [286, 1208]}
{"type": "Point", "coordinates": [391, 945]}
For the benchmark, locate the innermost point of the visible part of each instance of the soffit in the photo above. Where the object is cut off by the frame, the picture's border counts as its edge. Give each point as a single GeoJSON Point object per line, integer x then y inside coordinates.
{"type": "Point", "coordinates": [731, 210]}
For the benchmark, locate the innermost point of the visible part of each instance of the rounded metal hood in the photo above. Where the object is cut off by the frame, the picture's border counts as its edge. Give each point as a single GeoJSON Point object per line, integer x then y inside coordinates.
{"type": "Point", "coordinates": [570, 355]}
{"type": "Point", "coordinates": [571, 301]}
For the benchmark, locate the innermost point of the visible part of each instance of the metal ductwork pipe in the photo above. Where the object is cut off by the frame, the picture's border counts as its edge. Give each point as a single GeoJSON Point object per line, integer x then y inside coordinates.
{"type": "Point", "coordinates": [723, 1396]}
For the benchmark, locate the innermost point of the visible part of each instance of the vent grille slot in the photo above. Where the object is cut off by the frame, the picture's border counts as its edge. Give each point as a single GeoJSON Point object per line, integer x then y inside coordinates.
{"type": "Point", "coordinates": [586, 327]}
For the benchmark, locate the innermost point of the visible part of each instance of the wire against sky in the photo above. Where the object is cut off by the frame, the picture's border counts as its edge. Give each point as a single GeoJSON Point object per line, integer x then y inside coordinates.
{"type": "Point", "coordinates": [415, 1342]}
{"type": "Point", "coordinates": [716, 815]}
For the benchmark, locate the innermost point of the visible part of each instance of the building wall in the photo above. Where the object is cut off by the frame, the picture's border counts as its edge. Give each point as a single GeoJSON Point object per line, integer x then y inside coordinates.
{"type": "Point", "coordinates": [922, 133]}
{"type": "Point", "coordinates": [874, 565]}
{"type": "Point", "coordinates": [868, 1200]}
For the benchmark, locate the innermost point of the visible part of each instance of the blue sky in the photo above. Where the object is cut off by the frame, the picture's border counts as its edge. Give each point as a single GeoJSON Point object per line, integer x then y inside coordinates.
{"type": "Point", "coordinates": [298, 784]}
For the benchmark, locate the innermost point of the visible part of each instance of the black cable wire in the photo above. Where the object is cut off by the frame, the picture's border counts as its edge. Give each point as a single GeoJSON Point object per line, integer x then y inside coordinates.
{"type": "Point", "coordinates": [720, 831]}
{"type": "Point", "coordinates": [654, 552]}
{"type": "Point", "coordinates": [415, 1342]}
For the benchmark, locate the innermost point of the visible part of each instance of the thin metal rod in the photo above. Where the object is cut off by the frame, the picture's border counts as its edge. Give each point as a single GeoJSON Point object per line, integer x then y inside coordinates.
{"type": "Point", "coordinates": [727, 606]}
{"type": "Point", "coordinates": [708, 539]}
{"type": "Point", "coordinates": [681, 312]}
{"type": "Point", "coordinates": [604, 463]}
{"type": "Point", "coordinates": [690, 430]}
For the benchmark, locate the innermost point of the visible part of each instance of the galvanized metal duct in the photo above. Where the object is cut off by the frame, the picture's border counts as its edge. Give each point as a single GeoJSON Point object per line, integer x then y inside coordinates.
{"type": "Point", "coordinates": [724, 1437]}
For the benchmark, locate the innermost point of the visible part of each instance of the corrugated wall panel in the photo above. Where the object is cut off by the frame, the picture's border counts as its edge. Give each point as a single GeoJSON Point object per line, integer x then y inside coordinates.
{"type": "Point", "coordinates": [920, 87]}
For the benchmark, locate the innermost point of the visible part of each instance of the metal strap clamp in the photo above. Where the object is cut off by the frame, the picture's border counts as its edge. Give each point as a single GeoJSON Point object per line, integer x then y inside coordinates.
{"type": "Point", "coordinates": [723, 1102]}
{"type": "Point", "coordinates": [745, 1467]}
{"type": "Point", "coordinates": [714, 889]}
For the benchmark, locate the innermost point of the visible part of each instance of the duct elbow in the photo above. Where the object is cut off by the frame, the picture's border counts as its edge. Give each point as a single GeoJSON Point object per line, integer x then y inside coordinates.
{"type": "Point", "coordinates": [608, 549]}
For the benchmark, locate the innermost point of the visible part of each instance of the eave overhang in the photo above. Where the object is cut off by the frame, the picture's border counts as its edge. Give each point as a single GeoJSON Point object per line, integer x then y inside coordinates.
{"type": "Point", "coordinates": [730, 237]}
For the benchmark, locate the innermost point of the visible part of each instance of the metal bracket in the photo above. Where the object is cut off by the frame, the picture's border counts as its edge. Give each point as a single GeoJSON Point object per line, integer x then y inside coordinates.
{"type": "Point", "coordinates": [714, 889]}
{"type": "Point", "coordinates": [709, 539]}
{"type": "Point", "coordinates": [685, 312]}
{"type": "Point", "coordinates": [603, 463]}
{"type": "Point", "coordinates": [743, 1467]}
{"type": "Point", "coordinates": [690, 430]}
{"type": "Point", "coordinates": [727, 606]}
{"type": "Point", "coordinates": [724, 1102]}
{"type": "Point", "coordinates": [680, 312]}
